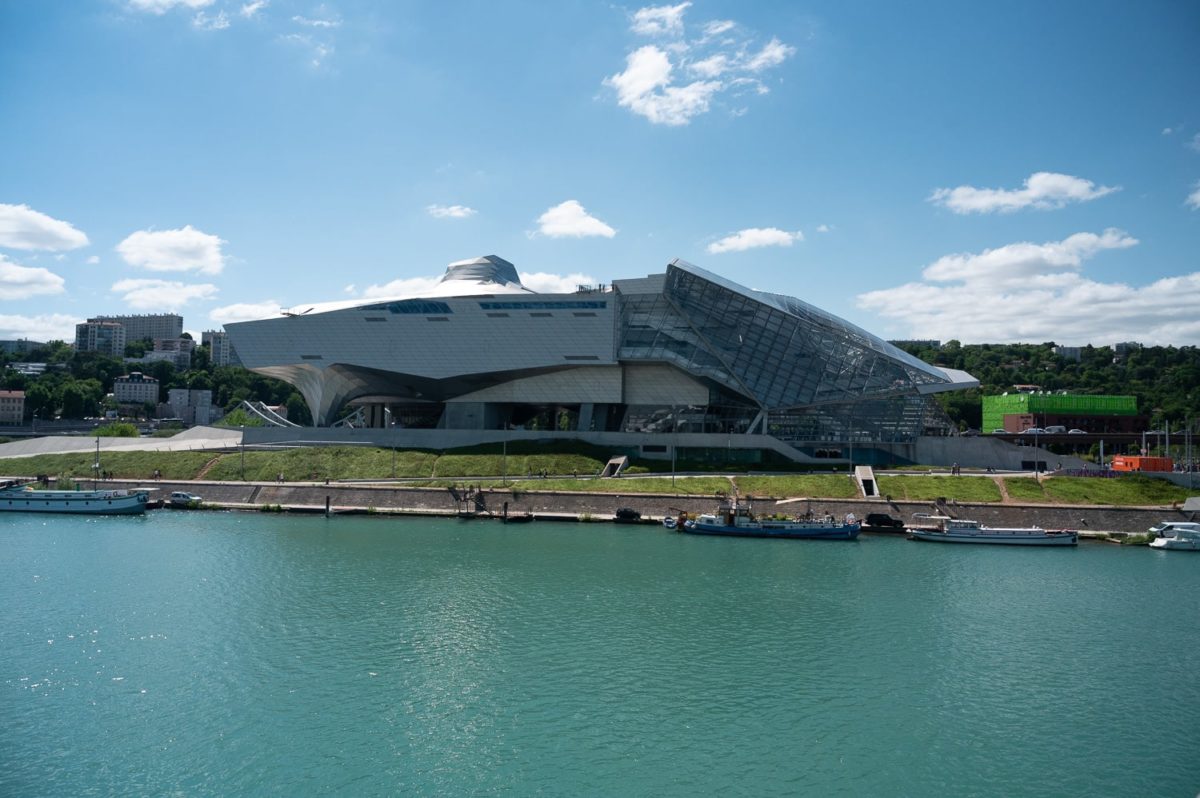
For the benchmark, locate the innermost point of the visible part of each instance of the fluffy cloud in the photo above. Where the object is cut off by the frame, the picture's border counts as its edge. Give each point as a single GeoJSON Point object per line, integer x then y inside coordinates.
{"type": "Point", "coordinates": [1193, 199]}
{"type": "Point", "coordinates": [570, 220]}
{"type": "Point", "coordinates": [1035, 292]}
{"type": "Point", "coordinates": [1043, 190]}
{"type": "Point", "coordinates": [1017, 264]}
{"type": "Point", "coordinates": [48, 327]}
{"type": "Point", "coordinates": [22, 282]}
{"type": "Point", "coordinates": [174, 251]}
{"type": "Point", "coordinates": [21, 227]}
{"type": "Point", "coordinates": [245, 311]}
{"type": "Point", "coordinates": [754, 237]}
{"type": "Point", "coordinates": [450, 211]}
{"type": "Point", "coordinates": [144, 294]}
{"type": "Point", "coordinates": [249, 10]}
{"type": "Point", "coordinates": [406, 287]}
{"type": "Point", "coordinates": [824, 228]}
{"type": "Point", "coordinates": [163, 6]}
{"type": "Point", "coordinates": [659, 20]}
{"type": "Point", "coordinates": [547, 283]}
{"type": "Point", "coordinates": [772, 54]}
{"type": "Point", "coordinates": [721, 65]}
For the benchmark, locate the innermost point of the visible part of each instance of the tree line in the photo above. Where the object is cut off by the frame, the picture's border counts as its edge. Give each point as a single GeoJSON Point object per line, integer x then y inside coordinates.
{"type": "Point", "coordinates": [1165, 379]}
{"type": "Point", "coordinates": [78, 385]}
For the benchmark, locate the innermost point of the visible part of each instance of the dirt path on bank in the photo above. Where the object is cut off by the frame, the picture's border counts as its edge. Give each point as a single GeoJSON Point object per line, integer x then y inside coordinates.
{"type": "Point", "coordinates": [1004, 497]}
{"type": "Point", "coordinates": [207, 467]}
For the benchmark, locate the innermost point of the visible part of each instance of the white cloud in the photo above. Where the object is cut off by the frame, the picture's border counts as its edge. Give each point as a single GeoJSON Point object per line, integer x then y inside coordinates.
{"type": "Point", "coordinates": [647, 85]}
{"type": "Point", "coordinates": [824, 228]}
{"type": "Point", "coordinates": [147, 294]}
{"type": "Point", "coordinates": [248, 10]}
{"type": "Point", "coordinates": [163, 6]}
{"type": "Point", "coordinates": [245, 311]}
{"type": "Point", "coordinates": [1017, 264]}
{"type": "Point", "coordinates": [1166, 131]}
{"type": "Point", "coordinates": [644, 89]}
{"type": "Point", "coordinates": [174, 251]}
{"type": "Point", "coordinates": [1043, 190]}
{"type": "Point", "coordinates": [450, 211]}
{"type": "Point", "coordinates": [1036, 292]}
{"type": "Point", "coordinates": [772, 54]}
{"type": "Point", "coordinates": [47, 327]}
{"type": "Point", "coordinates": [93, 260]}
{"type": "Point", "coordinates": [203, 21]}
{"type": "Point", "coordinates": [326, 19]}
{"type": "Point", "coordinates": [570, 220]}
{"type": "Point", "coordinates": [659, 20]}
{"type": "Point", "coordinates": [349, 289]}
{"type": "Point", "coordinates": [712, 67]}
{"type": "Point", "coordinates": [1195, 142]}
{"type": "Point", "coordinates": [22, 282]}
{"type": "Point", "coordinates": [1193, 200]}
{"type": "Point", "coordinates": [754, 237]}
{"type": "Point", "coordinates": [547, 283]}
{"type": "Point", "coordinates": [717, 27]}
{"type": "Point", "coordinates": [21, 227]}
{"type": "Point", "coordinates": [406, 287]}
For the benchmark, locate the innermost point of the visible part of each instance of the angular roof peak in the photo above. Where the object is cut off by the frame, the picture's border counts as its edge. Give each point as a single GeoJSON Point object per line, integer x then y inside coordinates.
{"type": "Point", "coordinates": [487, 269]}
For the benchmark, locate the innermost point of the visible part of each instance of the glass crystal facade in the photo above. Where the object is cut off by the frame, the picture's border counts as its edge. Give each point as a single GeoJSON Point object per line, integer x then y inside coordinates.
{"type": "Point", "coordinates": [776, 363]}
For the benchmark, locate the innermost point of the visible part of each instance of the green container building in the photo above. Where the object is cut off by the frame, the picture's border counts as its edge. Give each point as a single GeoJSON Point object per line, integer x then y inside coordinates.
{"type": "Point", "coordinates": [995, 408]}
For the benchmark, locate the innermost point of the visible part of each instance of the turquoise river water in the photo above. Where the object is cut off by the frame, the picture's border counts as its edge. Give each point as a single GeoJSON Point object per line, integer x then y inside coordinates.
{"type": "Point", "coordinates": [200, 653]}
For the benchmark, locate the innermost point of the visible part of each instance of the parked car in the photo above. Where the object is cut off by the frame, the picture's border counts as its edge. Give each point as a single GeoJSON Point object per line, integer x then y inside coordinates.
{"type": "Point", "coordinates": [1055, 430]}
{"type": "Point", "coordinates": [1033, 431]}
{"type": "Point", "coordinates": [999, 432]}
{"type": "Point", "coordinates": [970, 433]}
{"type": "Point", "coordinates": [882, 522]}
{"type": "Point", "coordinates": [182, 498]}
{"type": "Point", "coordinates": [1076, 432]}
{"type": "Point", "coordinates": [627, 515]}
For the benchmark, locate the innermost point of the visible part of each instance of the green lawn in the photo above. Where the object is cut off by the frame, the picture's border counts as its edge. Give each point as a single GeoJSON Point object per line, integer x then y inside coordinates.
{"type": "Point", "coordinates": [963, 489]}
{"type": "Point", "coordinates": [688, 486]}
{"type": "Point", "coordinates": [1125, 490]}
{"type": "Point", "coordinates": [825, 486]}
{"type": "Point", "coordinates": [122, 465]}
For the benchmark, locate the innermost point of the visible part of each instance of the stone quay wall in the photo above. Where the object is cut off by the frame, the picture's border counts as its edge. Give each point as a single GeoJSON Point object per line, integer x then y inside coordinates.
{"type": "Point", "coordinates": [343, 497]}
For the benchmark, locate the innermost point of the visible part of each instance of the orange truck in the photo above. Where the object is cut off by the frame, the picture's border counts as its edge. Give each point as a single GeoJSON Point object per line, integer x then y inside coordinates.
{"type": "Point", "coordinates": [1123, 462]}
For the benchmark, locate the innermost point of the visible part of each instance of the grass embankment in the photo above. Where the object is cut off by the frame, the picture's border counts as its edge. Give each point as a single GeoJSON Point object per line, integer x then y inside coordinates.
{"type": "Point", "coordinates": [963, 489]}
{"type": "Point", "coordinates": [485, 468]}
{"type": "Point", "coordinates": [817, 486]}
{"type": "Point", "coordinates": [1133, 489]}
{"type": "Point", "coordinates": [122, 465]}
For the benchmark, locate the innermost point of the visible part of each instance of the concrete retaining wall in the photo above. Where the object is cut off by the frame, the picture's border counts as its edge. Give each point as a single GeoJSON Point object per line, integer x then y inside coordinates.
{"type": "Point", "coordinates": [603, 506]}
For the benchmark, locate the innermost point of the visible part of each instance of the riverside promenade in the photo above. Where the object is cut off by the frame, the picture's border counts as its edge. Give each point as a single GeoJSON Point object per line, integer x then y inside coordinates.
{"type": "Point", "coordinates": [385, 498]}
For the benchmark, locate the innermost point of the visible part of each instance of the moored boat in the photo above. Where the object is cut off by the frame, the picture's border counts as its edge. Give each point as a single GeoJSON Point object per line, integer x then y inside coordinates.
{"type": "Point", "coordinates": [944, 529]}
{"type": "Point", "coordinates": [736, 519]}
{"type": "Point", "coordinates": [1176, 536]}
{"type": "Point", "coordinates": [19, 497]}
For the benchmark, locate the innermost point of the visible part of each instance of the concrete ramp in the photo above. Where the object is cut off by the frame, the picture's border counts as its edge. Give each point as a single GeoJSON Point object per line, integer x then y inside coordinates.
{"type": "Point", "coordinates": [615, 466]}
{"type": "Point", "coordinates": [865, 477]}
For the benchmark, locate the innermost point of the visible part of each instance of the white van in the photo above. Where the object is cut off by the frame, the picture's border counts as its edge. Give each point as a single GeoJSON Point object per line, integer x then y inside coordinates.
{"type": "Point", "coordinates": [1056, 430]}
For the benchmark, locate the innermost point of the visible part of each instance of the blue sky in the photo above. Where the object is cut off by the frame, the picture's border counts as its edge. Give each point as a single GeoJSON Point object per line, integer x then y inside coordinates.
{"type": "Point", "coordinates": [1005, 172]}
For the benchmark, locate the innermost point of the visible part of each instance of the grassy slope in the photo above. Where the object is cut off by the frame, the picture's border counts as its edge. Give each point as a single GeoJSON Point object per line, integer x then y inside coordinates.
{"type": "Point", "coordinates": [963, 489]}
{"type": "Point", "coordinates": [337, 463]}
{"type": "Point", "coordinates": [1127, 490]}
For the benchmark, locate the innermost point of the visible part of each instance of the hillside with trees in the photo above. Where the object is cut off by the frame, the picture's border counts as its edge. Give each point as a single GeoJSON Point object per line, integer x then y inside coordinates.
{"type": "Point", "coordinates": [1165, 379]}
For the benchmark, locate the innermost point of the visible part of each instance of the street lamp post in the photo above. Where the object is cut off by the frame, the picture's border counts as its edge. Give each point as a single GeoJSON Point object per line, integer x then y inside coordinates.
{"type": "Point", "coordinates": [242, 427]}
